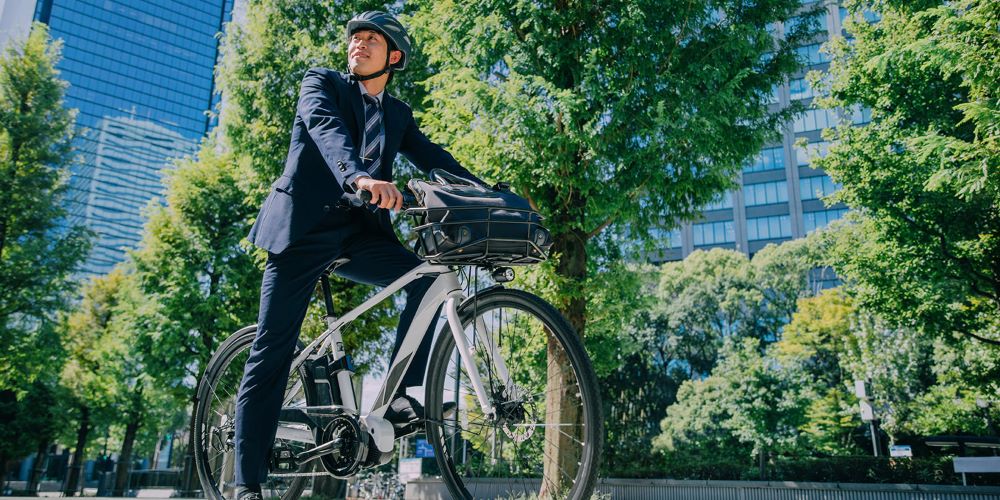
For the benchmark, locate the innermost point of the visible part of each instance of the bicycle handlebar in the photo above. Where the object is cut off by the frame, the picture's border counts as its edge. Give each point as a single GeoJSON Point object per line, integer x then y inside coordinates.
{"type": "Point", "coordinates": [409, 200]}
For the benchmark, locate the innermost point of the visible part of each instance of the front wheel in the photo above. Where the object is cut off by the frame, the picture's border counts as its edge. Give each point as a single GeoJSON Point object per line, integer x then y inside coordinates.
{"type": "Point", "coordinates": [544, 438]}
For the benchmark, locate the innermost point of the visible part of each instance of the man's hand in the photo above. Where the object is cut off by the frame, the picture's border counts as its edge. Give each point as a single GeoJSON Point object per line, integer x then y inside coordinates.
{"type": "Point", "coordinates": [384, 194]}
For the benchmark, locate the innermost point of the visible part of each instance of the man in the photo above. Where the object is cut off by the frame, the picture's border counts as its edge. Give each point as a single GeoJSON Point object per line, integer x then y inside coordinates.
{"type": "Point", "coordinates": [346, 133]}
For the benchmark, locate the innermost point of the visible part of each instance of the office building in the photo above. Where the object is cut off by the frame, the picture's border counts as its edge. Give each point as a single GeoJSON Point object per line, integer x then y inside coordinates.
{"type": "Point", "coordinates": [779, 194]}
{"type": "Point", "coordinates": [140, 73]}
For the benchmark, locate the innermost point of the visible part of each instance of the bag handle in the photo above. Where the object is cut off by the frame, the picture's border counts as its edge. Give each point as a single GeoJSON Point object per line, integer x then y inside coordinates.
{"type": "Point", "coordinates": [446, 177]}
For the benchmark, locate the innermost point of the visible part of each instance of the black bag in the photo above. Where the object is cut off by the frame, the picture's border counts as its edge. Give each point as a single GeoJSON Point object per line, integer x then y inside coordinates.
{"type": "Point", "coordinates": [459, 222]}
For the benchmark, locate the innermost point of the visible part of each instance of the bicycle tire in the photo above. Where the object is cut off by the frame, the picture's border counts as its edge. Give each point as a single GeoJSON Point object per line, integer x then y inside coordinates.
{"type": "Point", "coordinates": [222, 365]}
{"type": "Point", "coordinates": [456, 463]}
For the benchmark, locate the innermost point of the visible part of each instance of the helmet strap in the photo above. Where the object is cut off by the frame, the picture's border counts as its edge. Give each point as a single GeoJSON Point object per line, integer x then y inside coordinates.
{"type": "Point", "coordinates": [376, 74]}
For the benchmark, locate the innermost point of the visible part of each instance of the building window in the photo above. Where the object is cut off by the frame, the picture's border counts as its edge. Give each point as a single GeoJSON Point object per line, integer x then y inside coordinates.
{"type": "Point", "coordinates": [814, 188]}
{"type": "Point", "coordinates": [772, 98]}
{"type": "Point", "coordinates": [811, 22]}
{"type": "Point", "coordinates": [768, 159]}
{"type": "Point", "coordinates": [815, 119]}
{"type": "Point", "coordinates": [713, 233]}
{"type": "Point", "coordinates": [769, 228]}
{"type": "Point", "coordinates": [670, 239]}
{"type": "Point", "coordinates": [861, 115]}
{"type": "Point", "coordinates": [765, 193]}
{"type": "Point", "coordinates": [816, 220]}
{"type": "Point", "coordinates": [722, 202]}
{"type": "Point", "coordinates": [813, 150]}
{"type": "Point", "coordinates": [799, 88]}
{"type": "Point", "coordinates": [869, 16]}
{"type": "Point", "coordinates": [811, 55]}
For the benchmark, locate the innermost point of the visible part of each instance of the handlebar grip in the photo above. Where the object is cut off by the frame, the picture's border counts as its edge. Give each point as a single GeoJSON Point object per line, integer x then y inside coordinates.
{"type": "Point", "coordinates": [408, 199]}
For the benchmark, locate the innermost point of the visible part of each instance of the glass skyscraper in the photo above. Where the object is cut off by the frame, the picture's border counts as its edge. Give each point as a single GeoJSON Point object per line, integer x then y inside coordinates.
{"type": "Point", "coordinates": [141, 75]}
{"type": "Point", "coordinates": [780, 193]}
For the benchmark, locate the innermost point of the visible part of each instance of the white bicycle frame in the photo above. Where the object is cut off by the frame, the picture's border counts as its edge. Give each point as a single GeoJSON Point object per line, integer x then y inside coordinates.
{"type": "Point", "coordinates": [445, 290]}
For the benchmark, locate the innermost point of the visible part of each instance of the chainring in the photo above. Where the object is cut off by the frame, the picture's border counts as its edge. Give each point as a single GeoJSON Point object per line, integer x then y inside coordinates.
{"type": "Point", "coordinates": [346, 461]}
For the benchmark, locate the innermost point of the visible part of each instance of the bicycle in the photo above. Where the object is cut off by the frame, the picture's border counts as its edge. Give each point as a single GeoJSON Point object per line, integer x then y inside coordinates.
{"type": "Point", "coordinates": [378, 485]}
{"type": "Point", "coordinates": [528, 415]}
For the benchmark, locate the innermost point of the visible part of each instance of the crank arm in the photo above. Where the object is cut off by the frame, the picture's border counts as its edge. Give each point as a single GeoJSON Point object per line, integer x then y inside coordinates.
{"type": "Point", "coordinates": [319, 451]}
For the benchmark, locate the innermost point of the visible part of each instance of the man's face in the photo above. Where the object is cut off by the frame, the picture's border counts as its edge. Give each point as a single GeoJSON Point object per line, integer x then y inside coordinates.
{"type": "Point", "coordinates": [366, 51]}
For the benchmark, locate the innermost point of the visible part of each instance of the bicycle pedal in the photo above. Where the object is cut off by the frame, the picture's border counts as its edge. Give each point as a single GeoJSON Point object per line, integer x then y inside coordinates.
{"type": "Point", "coordinates": [283, 459]}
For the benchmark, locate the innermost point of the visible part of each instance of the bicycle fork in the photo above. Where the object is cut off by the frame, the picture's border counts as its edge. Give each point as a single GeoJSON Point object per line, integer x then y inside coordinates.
{"type": "Point", "coordinates": [466, 353]}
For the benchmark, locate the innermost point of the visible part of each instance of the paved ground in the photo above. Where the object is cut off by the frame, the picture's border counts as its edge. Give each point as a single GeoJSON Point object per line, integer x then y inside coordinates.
{"type": "Point", "coordinates": [147, 494]}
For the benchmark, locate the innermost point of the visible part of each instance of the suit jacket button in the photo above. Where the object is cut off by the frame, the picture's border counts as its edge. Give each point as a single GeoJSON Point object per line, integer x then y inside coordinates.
{"type": "Point", "coordinates": [326, 208]}
{"type": "Point", "coordinates": [343, 168]}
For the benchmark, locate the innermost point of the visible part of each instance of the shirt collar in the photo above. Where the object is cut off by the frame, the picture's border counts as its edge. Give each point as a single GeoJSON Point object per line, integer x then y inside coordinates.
{"type": "Point", "coordinates": [364, 92]}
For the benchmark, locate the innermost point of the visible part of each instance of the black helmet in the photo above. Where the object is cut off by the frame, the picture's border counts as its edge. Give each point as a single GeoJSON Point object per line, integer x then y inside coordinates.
{"type": "Point", "coordinates": [389, 27]}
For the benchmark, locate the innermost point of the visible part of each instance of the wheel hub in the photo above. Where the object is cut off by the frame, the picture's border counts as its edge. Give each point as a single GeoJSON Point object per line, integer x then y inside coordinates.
{"type": "Point", "coordinates": [513, 413]}
{"type": "Point", "coordinates": [222, 437]}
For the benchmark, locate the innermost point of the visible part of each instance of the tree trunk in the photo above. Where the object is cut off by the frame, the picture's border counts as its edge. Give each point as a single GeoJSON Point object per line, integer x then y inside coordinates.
{"type": "Point", "coordinates": [38, 469]}
{"type": "Point", "coordinates": [561, 450]}
{"type": "Point", "coordinates": [762, 464]}
{"type": "Point", "coordinates": [3, 474]}
{"type": "Point", "coordinates": [125, 457]}
{"type": "Point", "coordinates": [188, 476]}
{"type": "Point", "coordinates": [76, 465]}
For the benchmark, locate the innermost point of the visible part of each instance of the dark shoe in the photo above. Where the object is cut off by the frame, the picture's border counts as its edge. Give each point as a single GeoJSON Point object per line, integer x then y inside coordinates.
{"type": "Point", "coordinates": [247, 493]}
{"type": "Point", "coordinates": [448, 410]}
{"type": "Point", "coordinates": [406, 414]}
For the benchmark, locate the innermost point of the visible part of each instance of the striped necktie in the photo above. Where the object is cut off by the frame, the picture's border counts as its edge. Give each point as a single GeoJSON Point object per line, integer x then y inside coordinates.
{"type": "Point", "coordinates": [371, 155]}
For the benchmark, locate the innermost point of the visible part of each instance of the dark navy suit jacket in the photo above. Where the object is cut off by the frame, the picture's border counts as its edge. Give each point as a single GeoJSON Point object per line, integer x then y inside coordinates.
{"type": "Point", "coordinates": [323, 158]}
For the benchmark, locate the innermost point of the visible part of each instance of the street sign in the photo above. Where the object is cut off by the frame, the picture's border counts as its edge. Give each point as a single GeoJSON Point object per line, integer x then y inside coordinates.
{"type": "Point", "coordinates": [424, 449]}
{"type": "Point", "coordinates": [900, 450]}
{"type": "Point", "coordinates": [859, 389]}
{"type": "Point", "coordinates": [410, 468]}
{"type": "Point", "coordinates": [867, 414]}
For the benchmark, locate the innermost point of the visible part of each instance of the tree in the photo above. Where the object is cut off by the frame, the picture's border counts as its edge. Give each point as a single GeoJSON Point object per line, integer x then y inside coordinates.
{"type": "Point", "coordinates": [716, 294]}
{"type": "Point", "coordinates": [86, 374]}
{"type": "Point", "coordinates": [29, 422]}
{"type": "Point", "coordinates": [922, 175]}
{"type": "Point", "coordinates": [895, 363]}
{"type": "Point", "coordinates": [201, 284]}
{"type": "Point", "coordinates": [813, 342]}
{"type": "Point", "coordinates": [746, 398]}
{"type": "Point", "coordinates": [704, 299]}
{"type": "Point", "coordinates": [606, 116]}
{"type": "Point", "coordinates": [36, 258]}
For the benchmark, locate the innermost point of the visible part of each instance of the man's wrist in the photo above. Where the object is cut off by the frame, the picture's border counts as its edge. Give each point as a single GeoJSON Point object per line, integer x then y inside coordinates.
{"type": "Point", "coordinates": [357, 181]}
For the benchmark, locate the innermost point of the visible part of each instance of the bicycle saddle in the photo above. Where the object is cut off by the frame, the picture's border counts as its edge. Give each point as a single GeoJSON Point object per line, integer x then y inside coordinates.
{"type": "Point", "coordinates": [337, 263]}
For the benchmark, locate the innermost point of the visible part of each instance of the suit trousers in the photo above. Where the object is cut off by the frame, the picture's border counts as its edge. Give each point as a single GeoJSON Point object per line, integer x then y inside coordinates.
{"type": "Point", "coordinates": [289, 281]}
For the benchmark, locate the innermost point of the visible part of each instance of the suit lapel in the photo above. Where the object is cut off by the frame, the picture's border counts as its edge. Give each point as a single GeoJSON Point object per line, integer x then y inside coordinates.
{"type": "Point", "coordinates": [359, 111]}
{"type": "Point", "coordinates": [392, 133]}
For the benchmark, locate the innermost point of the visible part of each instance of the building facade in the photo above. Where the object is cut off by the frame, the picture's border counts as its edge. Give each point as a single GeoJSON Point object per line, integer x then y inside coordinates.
{"type": "Point", "coordinates": [140, 73]}
{"type": "Point", "coordinates": [780, 193]}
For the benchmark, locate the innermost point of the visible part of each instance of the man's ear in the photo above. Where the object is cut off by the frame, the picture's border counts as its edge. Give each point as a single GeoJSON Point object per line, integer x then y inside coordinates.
{"type": "Point", "coordinates": [395, 56]}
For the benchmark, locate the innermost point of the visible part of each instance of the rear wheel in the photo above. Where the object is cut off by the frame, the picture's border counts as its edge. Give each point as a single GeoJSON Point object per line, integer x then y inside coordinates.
{"type": "Point", "coordinates": [215, 429]}
{"type": "Point", "coordinates": [545, 436]}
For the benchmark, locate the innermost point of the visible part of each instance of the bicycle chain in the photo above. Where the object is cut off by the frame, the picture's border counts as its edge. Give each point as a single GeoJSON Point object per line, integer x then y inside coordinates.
{"type": "Point", "coordinates": [300, 474]}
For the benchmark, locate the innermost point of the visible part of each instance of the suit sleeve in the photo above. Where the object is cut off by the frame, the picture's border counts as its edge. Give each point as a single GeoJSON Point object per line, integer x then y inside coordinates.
{"type": "Point", "coordinates": [427, 156]}
{"type": "Point", "coordinates": [317, 107]}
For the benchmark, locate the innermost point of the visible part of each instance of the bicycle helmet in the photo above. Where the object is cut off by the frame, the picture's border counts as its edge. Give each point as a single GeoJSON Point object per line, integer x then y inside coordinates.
{"type": "Point", "coordinates": [391, 29]}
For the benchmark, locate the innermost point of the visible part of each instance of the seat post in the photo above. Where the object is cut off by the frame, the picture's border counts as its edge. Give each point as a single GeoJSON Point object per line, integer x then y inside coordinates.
{"type": "Point", "coordinates": [327, 295]}
{"type": "Point", "coordinates": [324, 280]}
